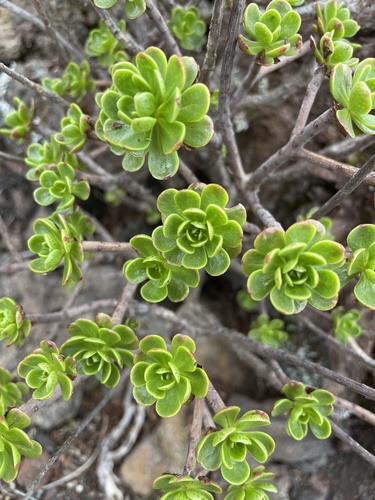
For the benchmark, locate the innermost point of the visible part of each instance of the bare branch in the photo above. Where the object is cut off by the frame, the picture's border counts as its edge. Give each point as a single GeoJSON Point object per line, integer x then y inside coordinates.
{"type": "Point", "coordinates": [209, 62]}
{"type": "Point", "coordinates": [156, 17]}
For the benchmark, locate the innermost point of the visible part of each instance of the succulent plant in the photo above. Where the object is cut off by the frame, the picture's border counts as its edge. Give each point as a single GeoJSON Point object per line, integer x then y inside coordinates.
{"type": "Point", "coordinates": [335, 18]}
{"type": "Point", "coordinates": [361, 240]}
{"type": "Point", "coordinates": [74, 129]}
{"type": "Point", "coordinates": [228, 447]}
{"type": "Point", "coordinates": [355, 95]}
{"type": "Point", "coordinates": [42, 156]}
{"type": "Point", "coordinates": [308, 409]}
{"type": "Point", "coordinates": [198, 230]}
{"type": "Point", "coordinates": [185, 487]}
{"type": "Point", "coordinates": [133, 8]}
{"type": "Point", "coordinates": [268, 331]}
{"type": "Point", "coordinates": [46, 368]}
{"type": "Point", "coordinates": [14, 442]}
{"type": "Point", "coordinates": [164, 279]}
{"type": "Point", "coordinates": [167, 378]}
{"type": "Point", "coordinates": [75, 81]}
{"type": "Point", "coordinates": [254, 488]}
{"type": "Point", "coordinates": [153, 107]}
{"type": "Point", "coordinates": [345, 324]}
{"type": "Point", "coordinates": [100, 348]}
{"type": "Point", "coordinates": [54, 241]}
{"type": "Point", "coordinates": [295, 267]}
{"type": "Point", "coordinates": [13, 325]}
{"type": "Point", "coordinates": [101, 44]}
{"type": "Point", "coordinates": [332, 52]}
{"type": "Point", "coordinates": [19, 121]}
{"type": "Point", "coordinates": [58, 183]}
{"type": "Point", "coordinates": [273, 33]}
{"type": "Point", "coordinates": [188, 27]}
{"type": "Point", "coordinates": [11, 393]}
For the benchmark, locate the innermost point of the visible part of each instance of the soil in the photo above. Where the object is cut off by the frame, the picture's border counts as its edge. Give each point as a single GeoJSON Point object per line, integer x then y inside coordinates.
{"type": "Point", "coordinates": [313, 471]}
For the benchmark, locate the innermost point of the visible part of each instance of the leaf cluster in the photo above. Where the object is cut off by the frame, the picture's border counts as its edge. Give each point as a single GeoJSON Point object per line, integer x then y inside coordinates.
{"type": "Point", "coordinates": [188, 27]}
{"type": "Point", "coordinates": [294, 268]}
{"type": "Point", "coordinates": [228, 447]}
{"type": "Point", "coordinates": [269, 331]}
{"type": "Point", "coordinates": [100, 348]}
{"type": "Point", "coordinates": [19, 121]}
{"type": "Point", "coordinates": [58, 238]}
{"type": "Point", "coordinates": [307, 409]}
{"type": "Point", "coordinates": [345, 324]}
{"type": "Point", "coordinates": [14, 442]}
{"type": "Point", "coordinates": [355, 94]}
{"type": "Point", "coordinates": [104, 46]}
{"type": "Point", "coordinates": [75, 81]}
{"type": "Point", "coordinates": [13, 325]}
{"type": "Point", "coordinates": [253, 488]}
{"type": "Point", "coordinates": [11, 393]}
{"type": "Point", "coordinates": [153, 107]}
{"type": "Point", "coordinates": [46, 368]}
{"type": "Point", "coordinates": [133, 8]}
{"type": "Point", "coordinates": [167, 378]}
{"type": "Point", "coordinates": [75, 127]}
{"type": "Point", "coordinates": [273, 33]}
{"type": "Point", "coordinates": [185, 487]}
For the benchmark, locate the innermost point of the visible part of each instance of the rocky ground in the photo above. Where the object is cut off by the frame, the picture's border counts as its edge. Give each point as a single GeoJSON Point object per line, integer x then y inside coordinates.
{"type": "Point", "coordinates": [307, 470]}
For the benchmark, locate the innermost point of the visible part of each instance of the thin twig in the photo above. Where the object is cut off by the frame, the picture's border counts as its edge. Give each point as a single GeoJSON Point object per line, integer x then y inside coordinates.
{"type": "Point", "coordinates": [225, 121]}
{"type": "Point", "coordinates": [358, 411]}
{"type": "Point", "coordinates": [308, 100]}
{"type": "Point", "coordinates": [51, 30]}
{"type": "Point", "coordinates": [214, 399]}
{"type": "Point", "coordinates": [156, 17]}
{"type": "Point", "coordinates": [348, 146]}
{"type": "Point", "coordinates": [332, 165]}
{"type": "Point", "coordinates": [361, 353]}
{"type": "Point", "coordinates": [246, 84]}
{"type": "Point", "coordinates": [98, 408]}
{"type": "Point", "coordinates": [127, 295]}
{"type": "Point", "coordinates": [41, 91]}
{"type": "Point", "coordinates": [360, 450]}
{"type": "Point", "coordinates": [68, 314]}
{"type": "Point", "coordinates": [195, 436]}
{"type": "Point", "coordinates": [106, 246]}
{"type": "Point", "coordinates": [209, 62]}
{"type": "Point", "coordinates": [349, 187]}
{"type": "Point", "coordinates": [187, 173]}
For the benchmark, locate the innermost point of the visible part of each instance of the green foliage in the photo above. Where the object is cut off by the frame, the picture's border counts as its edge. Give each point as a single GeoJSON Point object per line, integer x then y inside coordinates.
{"type": "Point", "coordinates": [335, 18]}
{"type": "Point", "coordinates": [332, 52]}
{"type": "Point", "coordinates": [14, 442]}
{"type": "Point", "coordinates": [345, 324]}
{"type": "Point", "coordinates": [13, 325]}
{"type": "Point", "coordinates": [133, 8]}
{"type": "Point", "coordinates": [74, 82]}
{"type": "Point", "coordinates": [19, 121]}
{"type": "Point", "coordinates": [356, 96]}
{"type": "Point", "coordinates": [187, 26]}
{"type": "Point", "coordinates": [244, 300]}
{"type": "Point", "coordinates": [153, 107]}
{"type": "Point", "coordinates": [102, 45]}
{"type": "Point", "coordinates": [254, 488]}
{"type": "Point", "coordinates": [45, 368]}
{"type": "Point", "coordinates": [164, 279]}
{"type": "Point", "coordinates": [295, 3]}
{"type": "Point", "coordinates": [268, 331]}
{"type": "Point", "coordinates": [361, 240]}
{"type": "Point", "coordinates": [100, 348]}
{"type": "Point", "coordinates": [273, 33]}
{"type": "Point", "coordinates": [11, 393]}
{"type": "Point", "coordinates": [308, 408]}
{"type": "Point", "coordinates": [58, 183]}
{"type": "Point", "coordinates": [74, 129]}
{"type": "Point", "coordinates": [295, 267]}
{"type": "Point", "coordinates": [57, 238]}
{"type": "Point", "coordinates": [168, 378]}
{"type": "Point", "coordinates": [185, 487]}
{"type": "Point", "coordinates": [40, 157]}
{"type": "Point", "coordinates": [198, 230]}
{"type": "Point", "coordinates": [228, 448]}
